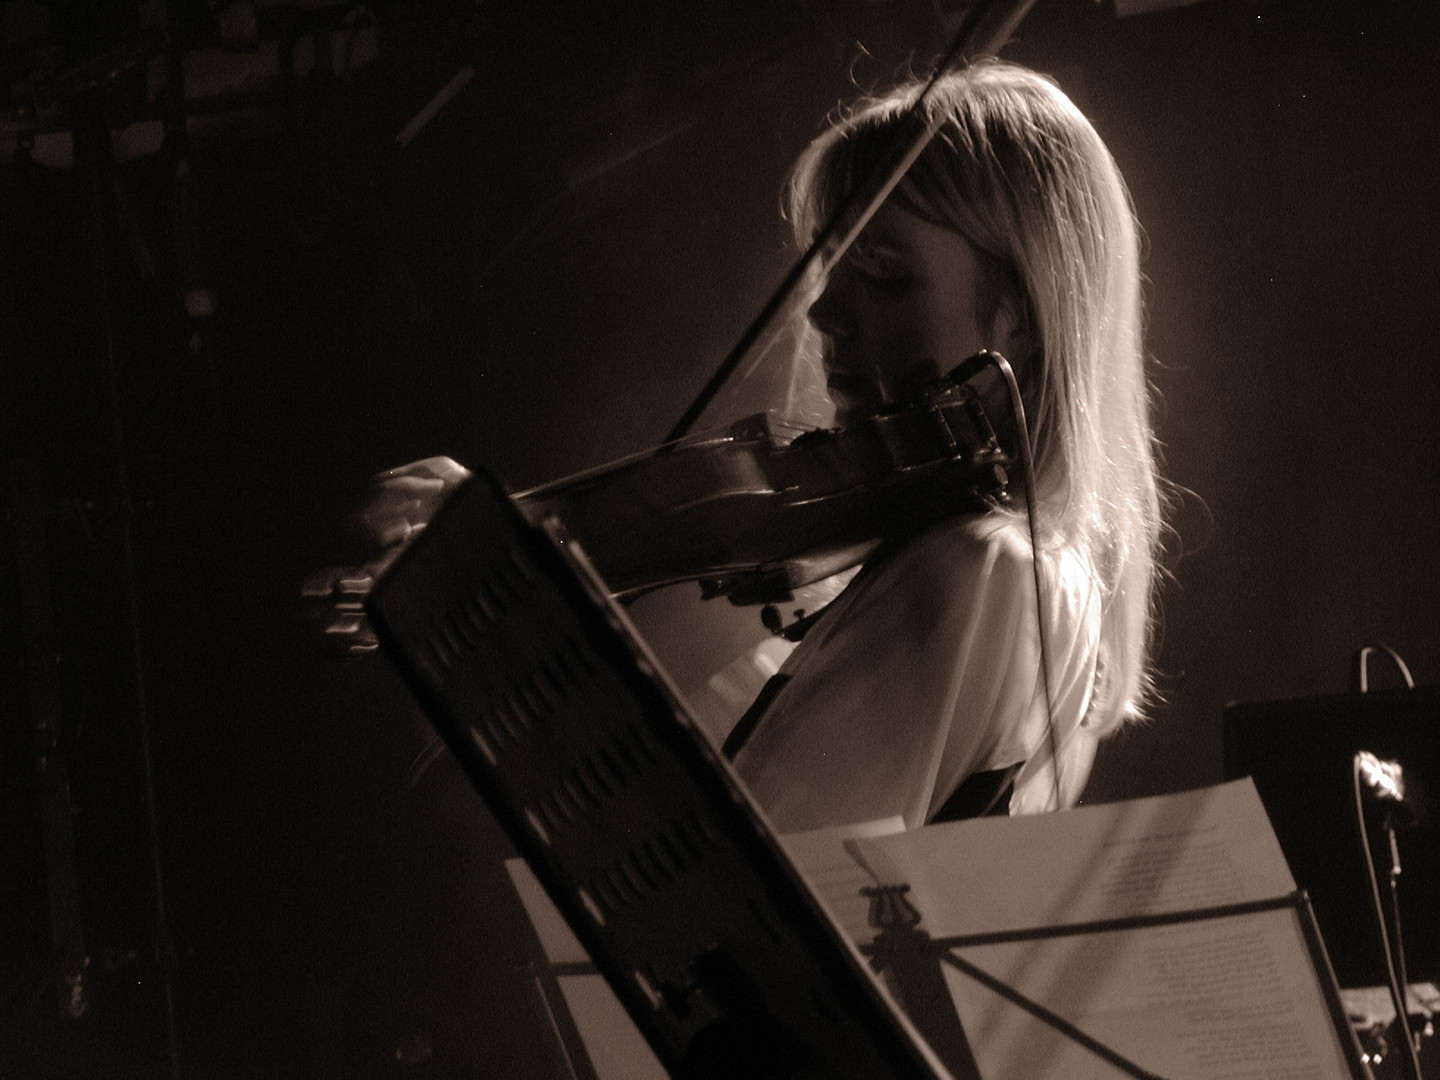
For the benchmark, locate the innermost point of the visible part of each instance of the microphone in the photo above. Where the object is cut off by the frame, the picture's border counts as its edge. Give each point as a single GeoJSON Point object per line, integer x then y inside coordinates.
{"type": "Point", "coordinates": [1387, 783]}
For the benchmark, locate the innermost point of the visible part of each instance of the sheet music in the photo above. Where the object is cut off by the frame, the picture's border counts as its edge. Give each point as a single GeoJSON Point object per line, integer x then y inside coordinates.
{"type": "Point", "coordinates": [1222, 999]}
{"type": "Point", "coordinates": [836, 874]}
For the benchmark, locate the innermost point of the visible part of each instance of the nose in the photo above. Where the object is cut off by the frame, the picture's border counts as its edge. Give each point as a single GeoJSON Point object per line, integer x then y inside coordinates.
{"type": "Point", "coordinates": [829, 313]}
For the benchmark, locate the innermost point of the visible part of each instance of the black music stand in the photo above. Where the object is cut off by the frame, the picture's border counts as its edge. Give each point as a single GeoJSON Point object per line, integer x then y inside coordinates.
{"type": "Point", "coordinates": [901, 946]}
{"type": "Point", "coordinates": [664, 868]}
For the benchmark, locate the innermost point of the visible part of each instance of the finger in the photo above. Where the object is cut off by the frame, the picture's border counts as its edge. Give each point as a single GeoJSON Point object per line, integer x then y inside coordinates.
{"type": "Point", "coordinates": [444, 469]}
{"type": "Point", "coordinates": [409, 485]}
{"type": "Point", "coordinates": [390, 531]}
{"type": "Point", "coordinates": [394, 505]}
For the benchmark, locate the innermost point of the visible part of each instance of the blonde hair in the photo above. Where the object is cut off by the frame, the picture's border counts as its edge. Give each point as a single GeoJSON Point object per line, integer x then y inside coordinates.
{"type": "Point", "coordinates": [1016, 170]}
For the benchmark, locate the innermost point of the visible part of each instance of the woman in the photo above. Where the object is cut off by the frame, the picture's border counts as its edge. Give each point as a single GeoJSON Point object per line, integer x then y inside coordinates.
{"type": "Point", "coordinates": [1012, 231]}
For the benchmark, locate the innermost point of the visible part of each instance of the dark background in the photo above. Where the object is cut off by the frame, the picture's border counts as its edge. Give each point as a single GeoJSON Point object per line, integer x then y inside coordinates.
{"type": "Point", "coordinates": [540, 281]}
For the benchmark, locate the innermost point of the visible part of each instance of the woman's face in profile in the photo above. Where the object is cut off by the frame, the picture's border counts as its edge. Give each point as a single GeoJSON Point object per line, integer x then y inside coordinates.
{"type": "Point", "coordinates": [899, 310]}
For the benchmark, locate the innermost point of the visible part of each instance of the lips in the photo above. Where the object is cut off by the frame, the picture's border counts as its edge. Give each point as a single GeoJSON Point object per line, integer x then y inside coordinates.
{"type": "Point", "coordinates": [854, 395]}
{"type": "Point", "coordinates": [850, 384]}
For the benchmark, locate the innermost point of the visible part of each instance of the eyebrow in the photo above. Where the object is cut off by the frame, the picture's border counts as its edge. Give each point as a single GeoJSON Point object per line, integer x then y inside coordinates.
{"type": "Point", "coordinates": [880, 245]}
{"type": "Point", "coordinates": [870, 244]}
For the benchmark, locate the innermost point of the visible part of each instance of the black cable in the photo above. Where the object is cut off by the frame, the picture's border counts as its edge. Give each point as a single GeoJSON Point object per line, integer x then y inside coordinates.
{"type": "Point", "coordinates": [93, 154]}
{"type": "Point", "coordinates": [1360, 669]}
{"type": "Point", "coordinates": [1027, 457]}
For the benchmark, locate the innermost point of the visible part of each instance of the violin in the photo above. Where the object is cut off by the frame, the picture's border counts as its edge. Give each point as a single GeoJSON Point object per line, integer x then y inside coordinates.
{"type": "Point", "coordinates": [749, 515]}
{"type": "Point", "coordinates": [752, 517]}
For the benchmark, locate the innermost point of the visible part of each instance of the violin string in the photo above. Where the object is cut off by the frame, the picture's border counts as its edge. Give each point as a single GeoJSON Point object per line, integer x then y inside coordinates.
{"type": "Point", "coordinates": [1027, 457]}
{"type": "Point", "coordinates": [780, 426]}
{"type": "Point", "coordinates": [612, 464]}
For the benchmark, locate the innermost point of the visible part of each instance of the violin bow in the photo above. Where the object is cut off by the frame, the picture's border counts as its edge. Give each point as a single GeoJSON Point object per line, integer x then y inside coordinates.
{"type": "Point", "coordinates": [985, 28]}
{"type": "Point", "coordinates": [987, 25]}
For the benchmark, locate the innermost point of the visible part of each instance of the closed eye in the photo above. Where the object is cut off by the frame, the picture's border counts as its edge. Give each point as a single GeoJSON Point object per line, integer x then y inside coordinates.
{"type": "Point", "coordinates": [879, 266]}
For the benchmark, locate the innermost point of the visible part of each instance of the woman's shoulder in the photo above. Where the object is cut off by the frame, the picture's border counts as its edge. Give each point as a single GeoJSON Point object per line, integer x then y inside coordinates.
{"type": "Point", "coordinates": [934, 576]}
{"type": "Point", "coordinates": [997, 541]}
{"type": "Point", "coordinates": [988, 556]}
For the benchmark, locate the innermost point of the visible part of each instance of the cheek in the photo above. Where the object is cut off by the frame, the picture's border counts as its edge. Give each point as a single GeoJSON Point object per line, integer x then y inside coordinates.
{"type": "Point", "coordinates": [923, 328]}
{"type": "Point", "coordinates": [953, 332]}
{"type": "Point", "coordinates": [936, 332]}
{"type": "Point", "coordinates": [910, 319]}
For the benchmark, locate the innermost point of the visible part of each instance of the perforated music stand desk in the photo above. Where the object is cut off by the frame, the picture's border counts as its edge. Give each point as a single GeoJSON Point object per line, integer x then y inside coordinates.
{"type": "Point", "coordinates": [651, 850]}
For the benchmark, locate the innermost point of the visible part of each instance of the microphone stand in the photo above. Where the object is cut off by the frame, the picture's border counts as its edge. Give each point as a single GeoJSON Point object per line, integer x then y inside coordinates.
{"type": "Point", "coordinates": [1385, 780]}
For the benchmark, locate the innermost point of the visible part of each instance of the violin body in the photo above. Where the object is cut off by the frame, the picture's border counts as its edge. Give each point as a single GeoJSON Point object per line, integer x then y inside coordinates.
{"type": "Point", "coordinates": [752, 517]}
{"type": "Point", "coordinates": [747, 514]}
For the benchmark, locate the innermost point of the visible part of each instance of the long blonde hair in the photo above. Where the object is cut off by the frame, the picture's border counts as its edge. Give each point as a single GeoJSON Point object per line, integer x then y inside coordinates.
{"type": "Point", "coordinates": [1015, 169]}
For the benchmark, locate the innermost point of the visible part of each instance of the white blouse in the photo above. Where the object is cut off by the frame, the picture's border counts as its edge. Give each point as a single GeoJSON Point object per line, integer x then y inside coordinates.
{"type": "Point", "coordinates": [926, 670]}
